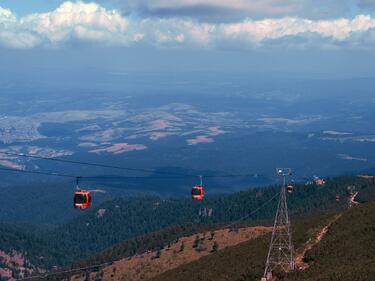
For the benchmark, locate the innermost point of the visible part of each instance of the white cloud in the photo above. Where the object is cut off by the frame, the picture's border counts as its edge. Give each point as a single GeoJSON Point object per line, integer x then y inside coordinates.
{"type": "Point", "coordinates": [18, 40]}
{"type": "Point", "coordinates": [90, 22]}
{"type": "Point", "coordinates": [158, 31]}
{"type": "Point", "coordinates": [8, 36]}
{"type": "Point", "coordinates": [339, 29]}
{"type": "Point", "coordinates": [6, 17]}
{"type": "Point", "coordinates": [82, 21]}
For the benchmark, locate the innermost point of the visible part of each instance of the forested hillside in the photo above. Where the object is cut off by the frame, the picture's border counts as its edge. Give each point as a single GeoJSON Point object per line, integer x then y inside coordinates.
{"type": "Point", "coordinates": [346, 253]}
{"type": "Point", "coordinates": [123, 218]}
{"type": "Point", "coordinates": [22, 250]}
{"type": "Point", "coordinates": [126, 218]}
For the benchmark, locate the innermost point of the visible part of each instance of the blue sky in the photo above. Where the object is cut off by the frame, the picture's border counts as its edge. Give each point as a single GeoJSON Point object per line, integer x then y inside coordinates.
{"type": "Point", "coordinates": [312, 36]}
{"type": "Point", "coordinates": [26, 7]}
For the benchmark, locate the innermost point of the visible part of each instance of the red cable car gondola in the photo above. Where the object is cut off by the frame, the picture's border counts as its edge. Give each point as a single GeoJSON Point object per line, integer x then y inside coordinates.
{"type": "Point", "coordinates": [197, 191]}
{"type": "Point", "coordinates": [337, 198]}
{"type": "Point", "coordinates": [290, 188]}
{"type": "Point", "coordinates": [82, 198]}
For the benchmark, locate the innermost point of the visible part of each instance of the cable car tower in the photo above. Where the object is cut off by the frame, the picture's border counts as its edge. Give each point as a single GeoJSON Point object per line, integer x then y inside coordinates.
{"type": "Point", "coordinates": [280, 253]}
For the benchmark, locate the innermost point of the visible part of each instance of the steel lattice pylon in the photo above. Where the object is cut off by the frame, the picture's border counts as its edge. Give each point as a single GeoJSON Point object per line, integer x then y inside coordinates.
{"type": "Point", "coordinates": [280, 253]}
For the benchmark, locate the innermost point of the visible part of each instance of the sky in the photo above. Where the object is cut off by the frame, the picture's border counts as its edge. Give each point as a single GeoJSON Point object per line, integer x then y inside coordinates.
{"type": "Point", "coordinates": [328, 38]}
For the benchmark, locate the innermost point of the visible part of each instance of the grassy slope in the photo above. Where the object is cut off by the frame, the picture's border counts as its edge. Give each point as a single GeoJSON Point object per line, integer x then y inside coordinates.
{"type": "Point", "coordinates": [241, 262]}
{"type": "Point", "coordinates": [347, 252]}
{"type": "Point", "coordinates": [150, 264]}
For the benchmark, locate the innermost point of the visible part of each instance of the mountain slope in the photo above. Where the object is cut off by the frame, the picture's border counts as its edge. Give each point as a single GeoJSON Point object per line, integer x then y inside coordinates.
{"type": "Point", "coordinates": [345, 253]}
{"type": "Point", "coordinates": [181, 251]}
{"type": "Point", "coordinates": [242, 262]}
{"type": "Point", "coordinates": [121, 219]}
{"type": "Point", "coordinates": [97, 232]}
{"type": "Point", "coordinates": [21, 251]}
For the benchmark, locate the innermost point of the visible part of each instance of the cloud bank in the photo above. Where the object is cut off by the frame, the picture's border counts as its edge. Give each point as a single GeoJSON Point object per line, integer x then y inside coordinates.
{"type": "Point", "coordinates": [81, 22]}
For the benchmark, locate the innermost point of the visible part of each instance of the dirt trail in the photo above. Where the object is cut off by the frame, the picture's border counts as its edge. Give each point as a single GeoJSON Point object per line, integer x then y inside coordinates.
{"type": "Point", "coordinates": [352, 198]}
{"type": "Point", "coordinates": [300, 264]}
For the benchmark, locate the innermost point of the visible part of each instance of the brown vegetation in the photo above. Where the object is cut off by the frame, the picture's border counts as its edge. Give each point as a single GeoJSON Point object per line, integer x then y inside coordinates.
{"type": "Point", "coordinates": [183, 251]}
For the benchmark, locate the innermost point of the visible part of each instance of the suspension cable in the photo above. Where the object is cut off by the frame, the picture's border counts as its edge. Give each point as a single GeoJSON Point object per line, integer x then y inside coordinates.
{"type": "Point", "coordinates": [92, 164]}
{"type": "Point", "coordinates": [44, 276]}
{"type": "Point", "coordinates": [153, 171]}
{"type": "Point", "coordinates": [37, 172]}
{"type": "Point", "coordinates": [56, 174]}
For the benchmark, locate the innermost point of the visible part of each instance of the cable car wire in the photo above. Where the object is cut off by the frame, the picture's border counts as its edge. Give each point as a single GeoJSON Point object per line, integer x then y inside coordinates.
{"type": "Point", "coordinates": [253, 212]}
{"type": "Point", "coordinates": [64, 272]}
{"type": "Point", "coordinates": [38, 172]}
{"type": "Point", "coordinates": [93, 164]}
{"type": "Point", "coordinates": [109, 263]}
{"type": "Point", "coordinates": [153, 171]}
{"type": "Point", "coordinates": [177, 175]}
